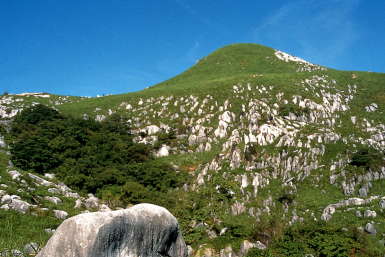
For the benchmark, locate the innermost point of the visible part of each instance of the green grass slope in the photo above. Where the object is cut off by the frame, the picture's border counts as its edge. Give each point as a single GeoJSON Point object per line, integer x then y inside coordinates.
{"type": "Point", "coordinates": [259, 87]}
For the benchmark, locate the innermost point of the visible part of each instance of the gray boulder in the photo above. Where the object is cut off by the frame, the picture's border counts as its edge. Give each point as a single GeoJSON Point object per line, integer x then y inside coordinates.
{"type": "Point", "coordinates": [142, 230]}
{"type": "Point", "coordinates": [370, 229]}
{"type": "Point", "coordinates": [363, 192]}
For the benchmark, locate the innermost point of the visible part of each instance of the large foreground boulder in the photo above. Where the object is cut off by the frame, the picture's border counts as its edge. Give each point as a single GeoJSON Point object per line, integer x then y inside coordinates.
{"type": "Point", "coordinates": [142, 230]}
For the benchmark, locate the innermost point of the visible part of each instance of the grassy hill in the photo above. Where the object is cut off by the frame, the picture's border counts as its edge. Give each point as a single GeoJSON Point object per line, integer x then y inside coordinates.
{"type": "Point", "coordinates": [261, 146]}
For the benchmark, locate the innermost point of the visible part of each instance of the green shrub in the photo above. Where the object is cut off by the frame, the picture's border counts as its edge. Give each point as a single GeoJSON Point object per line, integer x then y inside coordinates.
{"type": "Point", "coordinates": [367, 158]}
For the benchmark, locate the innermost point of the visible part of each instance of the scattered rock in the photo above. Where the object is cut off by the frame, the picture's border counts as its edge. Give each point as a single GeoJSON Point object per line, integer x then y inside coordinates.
{"type": "Point", "coordinates": [227, 252]}
{"type": "Point", "coordinates": [238, 208]}
{"type": "Point", "coordinates": [371, 229]}
{"type": "Point", "coordinates": [31, 248]}
{"type": "Point", "coordinates": [60, 214]}
{"type": "Point", "coordinates": [92, 202]}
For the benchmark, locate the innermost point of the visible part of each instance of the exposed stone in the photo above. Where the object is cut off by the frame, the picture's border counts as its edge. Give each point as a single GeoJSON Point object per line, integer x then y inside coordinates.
{"type": "Point", "coordinates": [363, 192]}
{"type": "Point", "coordinates": [190, 251]}
{"type": "Point", "coordinates": [14, 174]}
{"type": "Point", "coordinates": [370, 214]}
{"type": "Point", "coordinates": [238, 208]}
{"type": "Point", "coordinates": [19, 205]}
{"type": "Point", "coordinates": [6, 199]}
{"type": "Point", "coordinates": [54, 191]}
{"type": "Point", "coordinates": [382, 204]}
{"type": "Point", "coordinates": [49, 175]}
{"type": "Point", "coordinates": [163, 151]}
{"type": "Point", "coordinates": [78, 203]}
{"type": "Point", "coordinates": [370, 229]}
{"type": "Point", "coordinates": [60, 214]}
{"type": "Point", "coordinates": [53, 199]}
{"type": "Point", "coordinates": [104, 208]}
{"type": "Point", "coordinates": [31, 248]}
{"type": "Point", "coordinates": [92, 202]}
{"type": "Point", "coordinates": [227, 252]}
{"type": "Point", "coordinates": [142, 230]}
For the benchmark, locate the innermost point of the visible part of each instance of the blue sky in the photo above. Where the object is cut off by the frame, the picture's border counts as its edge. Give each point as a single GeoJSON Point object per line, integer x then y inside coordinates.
{"type": "Point", "coordinates": [94, 47]}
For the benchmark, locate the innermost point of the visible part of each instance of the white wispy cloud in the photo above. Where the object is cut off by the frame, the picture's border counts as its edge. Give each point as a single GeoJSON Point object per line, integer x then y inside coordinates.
{"type": "Point", "coordinates": [319, 30]}
{"type": "Point", "coordinates": [175, 65]}
{"type": "Point", "coordinates": [192, 54]}
{"type": "Point", "coordinates": [194, 11]}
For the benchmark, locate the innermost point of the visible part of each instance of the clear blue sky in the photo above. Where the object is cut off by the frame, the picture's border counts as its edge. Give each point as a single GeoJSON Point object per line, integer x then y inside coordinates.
{"type": "Point", "coordinates": [95, 47]}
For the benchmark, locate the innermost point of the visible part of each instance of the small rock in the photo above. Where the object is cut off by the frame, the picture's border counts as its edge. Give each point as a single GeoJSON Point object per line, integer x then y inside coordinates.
{"type": "Point", "coordinates": [49, 175]}
{"type": "Point", "coordinates": [382, 204]}
{"type": "Point", "coordinates": [92, 202]}
{"type": "Point", "coordinates": [104, 208]}
{"type": "Point", "coordinates": [360, 229]}
{"type": "Point", "coordinates": [238, 208]}
{"type": "Point", "coordinates": [5, 207]}
{"type": "Point", "coordinates": [6, 199]}
{"type": "Point", "coordinates": [54, 191]}
{"type": "Point", "coordinates": [227, 252]}
{"type": "Point", "coordinates": [190, 251]}
{"type": "Point", "coordinates": [53, 199]}
{"type": "Point", "coordinates": [78, 203]}
{"type": "Point", "coordinates": [371, 229]}
{"type": "Point", "coordinates": [31, 248]}
{"type": "Point", "coordinates": [60, 214]}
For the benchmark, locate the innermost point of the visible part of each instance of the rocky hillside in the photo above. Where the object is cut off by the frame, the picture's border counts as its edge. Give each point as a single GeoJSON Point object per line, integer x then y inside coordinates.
{"type": "Point", "coordinates": [270, 144]}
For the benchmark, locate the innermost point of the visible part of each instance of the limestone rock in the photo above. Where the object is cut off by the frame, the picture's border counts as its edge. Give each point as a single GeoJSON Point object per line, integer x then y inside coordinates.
{"type": "Point", "coordinates": [31, 248]}
{"type": "Point", "coordinates": [382, 204]}
{"type": "Point", "coordinates": [363, 192]}
{"type": "Point", "coordinates": [142, 230]}
{"type": "Point", "coordinates": [238, 208]}
{"type": "Point", "coordinates": [53, 199]}
{"type": "Point", "coordinates": [92, 202]}
{"type": "Point", "coordinates": [227, 252]}
{"type": "Point", "coordinates": [14, 174]}
{"type": "Point", "coordinates": [78, 203]}
{"type": "Point", "coordinates": [6, 199]}
{"type": "Point", "coordinates": [60, 214]}
{"type": "Point", "coordinates": [245, 247]}
{"type": "Point", "coordinates": [49, 175]}
{"type": "Point", "coordinates": [370, 229]}
{"type": "Point", "coordinates": [163, 151]}
{"type": "Point", "coordinates": [190, 251]}
{"type": "Point", "coordinates": [371, 108]}
{"type": "Point", "coordinates": [205, 251]}
{"type": "Point", "coordinates": [370, 214]}
{"type": "Point", "coordinates": [19, 205]}
{"type": "Point", "coordinates": [54, 191]}
{"type": "Point", "coordinates": [104, 208]}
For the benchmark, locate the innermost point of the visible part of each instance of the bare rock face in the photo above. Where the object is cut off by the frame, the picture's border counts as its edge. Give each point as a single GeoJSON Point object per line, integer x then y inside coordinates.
{"type": "Point", "coordinates": [142, 230]}
{"type": "Point", "coordinates": [238, 208]}
{"type": "Point", "coordinates": [92, 202]}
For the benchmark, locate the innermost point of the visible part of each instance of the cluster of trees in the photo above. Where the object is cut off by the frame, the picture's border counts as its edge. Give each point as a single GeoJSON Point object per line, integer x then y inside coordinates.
{"type": "Point", "coordinates": [95, 157]}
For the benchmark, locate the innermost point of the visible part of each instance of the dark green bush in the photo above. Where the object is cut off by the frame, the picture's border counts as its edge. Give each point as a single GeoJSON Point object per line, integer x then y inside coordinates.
{"type": "Point", "coordinates": [367, 158]}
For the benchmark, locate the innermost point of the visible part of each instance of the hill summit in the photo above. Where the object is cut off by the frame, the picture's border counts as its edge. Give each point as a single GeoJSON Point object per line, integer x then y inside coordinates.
{"type": "Point", "coordinates": [251, 149]}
